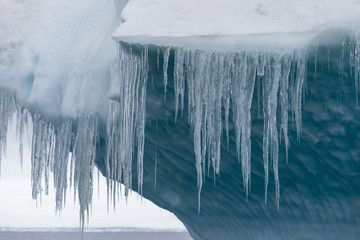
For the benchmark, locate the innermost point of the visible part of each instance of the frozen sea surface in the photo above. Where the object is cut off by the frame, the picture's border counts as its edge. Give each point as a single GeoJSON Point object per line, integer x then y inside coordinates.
{"type": "Point", "coordinates": [94, 236]}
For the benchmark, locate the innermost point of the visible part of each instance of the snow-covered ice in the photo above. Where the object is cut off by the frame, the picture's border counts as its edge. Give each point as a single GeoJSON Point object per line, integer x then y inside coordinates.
{"type": "Point", "coordinates": [230, 17]}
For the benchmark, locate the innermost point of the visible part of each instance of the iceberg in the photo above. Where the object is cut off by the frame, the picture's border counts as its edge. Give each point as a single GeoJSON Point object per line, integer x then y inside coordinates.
{"type": "Point", "coordinates": [243, 126]}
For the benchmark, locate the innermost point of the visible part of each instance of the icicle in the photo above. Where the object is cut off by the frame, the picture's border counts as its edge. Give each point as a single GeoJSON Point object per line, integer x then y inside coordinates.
{"type": "Point", "coordinates": [246, 126]}
{"type": "Point", "coordinates": [226, 92]}
{"type": "Point", "coordinates": [242, 93]}
{"type": "Point", "coordinates": [341, 65]}
{"type": "Point", "coordinates": [261, 64]}
{"type": "Point", "coordinates": [270, 138]}
{"type": "Point", "coordinates": [63, 144]}
{"type": "Point", "coordinates": [190, 82]}
{"type": "Point", "coordinates": [284, 100]}
{"type": "Point", "coordinates": [42, 153]}
{"type": "Point", "coordinates": [22, 123]}
{"type": "Point", "coordinates": [218, 83]}
{"type": "Point", "coordinates": [112, 153]}
{"type": "Point", "coordinates": [7, 109]}
{"type": "Point", "coordinates": [300, 57]}
{"type": "Point", "coordinates": [158, 57]}
{"type": "Point", "coordinates": [126, 123]}
{"type": "Point", "coordinates": [214, 80]}
{"type": "Point", "coordinates": [179, 79]}
{"type": "Point", "coordinates": [165, 68]}
{"type": "Point", "coordinates": [258, 91]}
{"type": "Point", "coordinates": [84, 155]}
{"type": "Point", "coordinates": [197, 120]}
{"type": "Point", "coordinates": [140, 116]}
{"type": "Point", "coordinates": [355, 63]}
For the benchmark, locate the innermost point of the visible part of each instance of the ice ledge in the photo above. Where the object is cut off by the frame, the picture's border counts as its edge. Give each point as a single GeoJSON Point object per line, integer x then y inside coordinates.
{"type": "Point", "coordinates": [279, 42]}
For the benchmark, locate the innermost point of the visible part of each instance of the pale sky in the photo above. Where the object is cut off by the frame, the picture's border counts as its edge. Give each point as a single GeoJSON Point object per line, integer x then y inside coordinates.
{"type": "Point", "coordinates": [18, 209]}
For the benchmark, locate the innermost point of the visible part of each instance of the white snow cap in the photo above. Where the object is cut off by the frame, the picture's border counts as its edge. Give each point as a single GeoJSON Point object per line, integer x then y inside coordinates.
{"type": "Point", "coordinates": [182, 18]}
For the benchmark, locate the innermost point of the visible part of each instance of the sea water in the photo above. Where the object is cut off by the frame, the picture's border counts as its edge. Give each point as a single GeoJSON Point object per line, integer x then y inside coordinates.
{"type": "Point", "coordinates": [12, 235]}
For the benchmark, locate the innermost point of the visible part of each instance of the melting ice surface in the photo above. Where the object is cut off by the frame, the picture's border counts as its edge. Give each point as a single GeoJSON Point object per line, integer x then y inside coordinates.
{"type": "Point", "coordinates": [84, 93]}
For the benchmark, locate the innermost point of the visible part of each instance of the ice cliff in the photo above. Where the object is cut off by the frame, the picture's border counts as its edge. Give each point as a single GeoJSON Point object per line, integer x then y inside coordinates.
{"type": "Point", "coordinates": [247, 131]}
